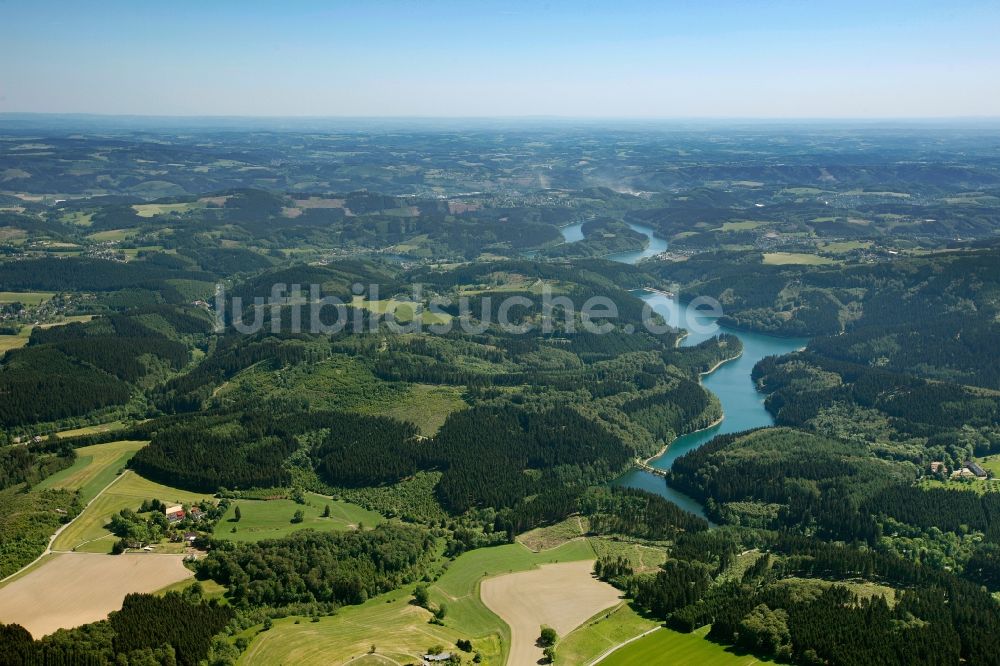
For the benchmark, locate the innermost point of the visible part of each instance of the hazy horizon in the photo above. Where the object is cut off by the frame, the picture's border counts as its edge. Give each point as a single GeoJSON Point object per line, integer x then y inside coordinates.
{"type": "Point", "coordinates": [778, 60]}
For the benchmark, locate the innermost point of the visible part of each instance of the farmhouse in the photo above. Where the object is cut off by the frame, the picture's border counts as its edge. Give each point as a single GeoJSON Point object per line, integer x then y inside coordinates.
{"type": "Point", "coordinates": [195, 513]}
{"type": "Point", "coordinates": [175, 513]}
{"type": "Point", "coordinates": [938, 466]}
{"type": "Point", "coordinates": [976, 470]}
{"type": "Point", "coordinates": [436, 658]}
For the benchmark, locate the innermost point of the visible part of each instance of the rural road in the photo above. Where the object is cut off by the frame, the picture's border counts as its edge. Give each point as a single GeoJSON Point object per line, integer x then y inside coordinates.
{"type": "Point", "coordinates": [615, 648]}
{"type": "Point", "coordinates": [55, 535]}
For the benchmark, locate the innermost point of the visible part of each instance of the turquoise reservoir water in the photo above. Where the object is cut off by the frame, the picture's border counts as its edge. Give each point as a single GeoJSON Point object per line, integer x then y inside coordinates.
{"type": "Point", "coordinates": [573, 232]}
{"type": "Point", "coordinates": [742, 404]}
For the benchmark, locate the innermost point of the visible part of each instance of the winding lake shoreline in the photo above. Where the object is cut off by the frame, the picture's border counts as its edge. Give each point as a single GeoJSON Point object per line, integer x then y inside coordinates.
{"type": "Point", "coordinates": [730, 380]}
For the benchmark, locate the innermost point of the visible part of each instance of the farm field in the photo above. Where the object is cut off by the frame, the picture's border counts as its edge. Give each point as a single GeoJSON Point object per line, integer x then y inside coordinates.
{"type": "Point", "coordinates": [790, 258]}
{"type": "Point", "coordinates": [87, 533]}
{"type": "Point", "coordinates": [8, 342]}
{"type": "Point", "coordinates": [91, 430]}
{"type": "Point", "coordinates": [110, 235]}
{"type": "Point", "coordinates": [844, 246]}
{"type": "Point", "coordinates": [665, 646]}
{"type": "Point", "coordinates": [25, 297]}
{"type": "Point", "coordinates": [95, 467]}
{"type": "Point", "coordinates": [400, 630]}
{"type": "Point", "coordinates": [153, 209]}
{"type": "Point", "coordinates": [604, 631]}
{"type": "Point", "coordinates": [271, 519]}
{"type": "Point", "coordinates": [746, 225]}
{"type": "Point", "coordinates": [562, 596]}
{"type": "Point", "coordinates": [70, 589]}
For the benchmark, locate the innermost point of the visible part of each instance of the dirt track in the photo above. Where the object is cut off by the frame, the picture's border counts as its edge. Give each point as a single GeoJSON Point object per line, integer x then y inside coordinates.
{"type": "Point", "coordinates": [71, 589]}
{"type": "Point", "coordinates": [562, 596]}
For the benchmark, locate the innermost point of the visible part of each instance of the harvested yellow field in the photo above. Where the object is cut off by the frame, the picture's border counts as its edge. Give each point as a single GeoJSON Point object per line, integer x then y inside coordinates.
{"type": "Point", "coordinates": [795, 258]}
{"type": "Point", "coordinates": [562, 596]}
{"type": "Point", "coordinates": [9, 342]}
{"type": "Point", "coordinates": [70, 589]}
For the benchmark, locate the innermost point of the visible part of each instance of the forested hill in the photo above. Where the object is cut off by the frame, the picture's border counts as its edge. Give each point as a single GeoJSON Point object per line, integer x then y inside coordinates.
{"type": "Point", "coordinates": [934, 315]}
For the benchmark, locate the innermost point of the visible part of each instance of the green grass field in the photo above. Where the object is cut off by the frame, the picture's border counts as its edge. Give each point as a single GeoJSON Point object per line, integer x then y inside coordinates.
{"type": "Point", "coordinates": [402, 310]}
{"type": "Point", "coordinates": [839, 247]}
{"type": "Point", "coordinates": [991, 464]}
{"type": "Point", "coordinates": [209, 589]}
{"type": "Point", "coordinates": [95, 467]}
{"type": "Point", "coordinates": [111, 235]}
{"type": "Point", "coordinates": [601, 633]}
{"type": "Point", "coordinates": [271, 519]}
{"type": "Point", "coordinates": [91, 429]}
{"type": "Point", "coordinates": [150, 210]}
{"type": "Point", "coordinates": [25, 297]}
{"type": "Point", "coordinates": [399, 630]}
{"type": "Point", "coordinates": [741, 226]}
{"type": "Point", "coordinates": [8, 342]}
{"type": "Point", "coordinates": [665, 646]}
{"type": "Point", "coordinates": [87, 533]}
{"type": "Point", "coordinates": [800, 258]}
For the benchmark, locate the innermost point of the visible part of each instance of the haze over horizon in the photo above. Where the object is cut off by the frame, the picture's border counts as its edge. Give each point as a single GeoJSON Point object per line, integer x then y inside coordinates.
{"type": "Point", "coordinates": [643, 60]}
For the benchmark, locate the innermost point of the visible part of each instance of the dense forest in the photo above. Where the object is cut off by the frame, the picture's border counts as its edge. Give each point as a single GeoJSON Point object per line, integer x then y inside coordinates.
{"type": "Point", "coordinates": [326, 568]}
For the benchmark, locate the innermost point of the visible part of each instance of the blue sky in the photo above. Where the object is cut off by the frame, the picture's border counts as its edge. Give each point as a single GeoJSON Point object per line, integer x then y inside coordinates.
{"type": "Point", "coordinates": [723, 59]}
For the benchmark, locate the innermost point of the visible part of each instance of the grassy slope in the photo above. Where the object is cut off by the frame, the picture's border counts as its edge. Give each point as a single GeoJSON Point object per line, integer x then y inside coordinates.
{"type": "Point", "coordinates": [400, 630]}
{"type": "Point", "coordinates": [91, 430]}
{"type": "Point", "coordinates": [271, 519]}
{"type": "Point", "coordinates": [95, 467]}
{"type": "Point", "coordinates": [665, 646]}
{"type": "Point", "coordinates": [601, 633]}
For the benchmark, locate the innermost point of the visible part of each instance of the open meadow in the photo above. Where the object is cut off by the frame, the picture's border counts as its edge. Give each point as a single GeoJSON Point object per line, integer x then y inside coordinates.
{"type": "Point", "coordinates": [601, 633]}
{"type": "Point", "coordinates": [665, 646]}
{"type": "Point", "coordinates": [26, 297]}
{"type": "Point", "coordinates": [95, 467]}
{"type": "Point", "coordinates": [271, 519]}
